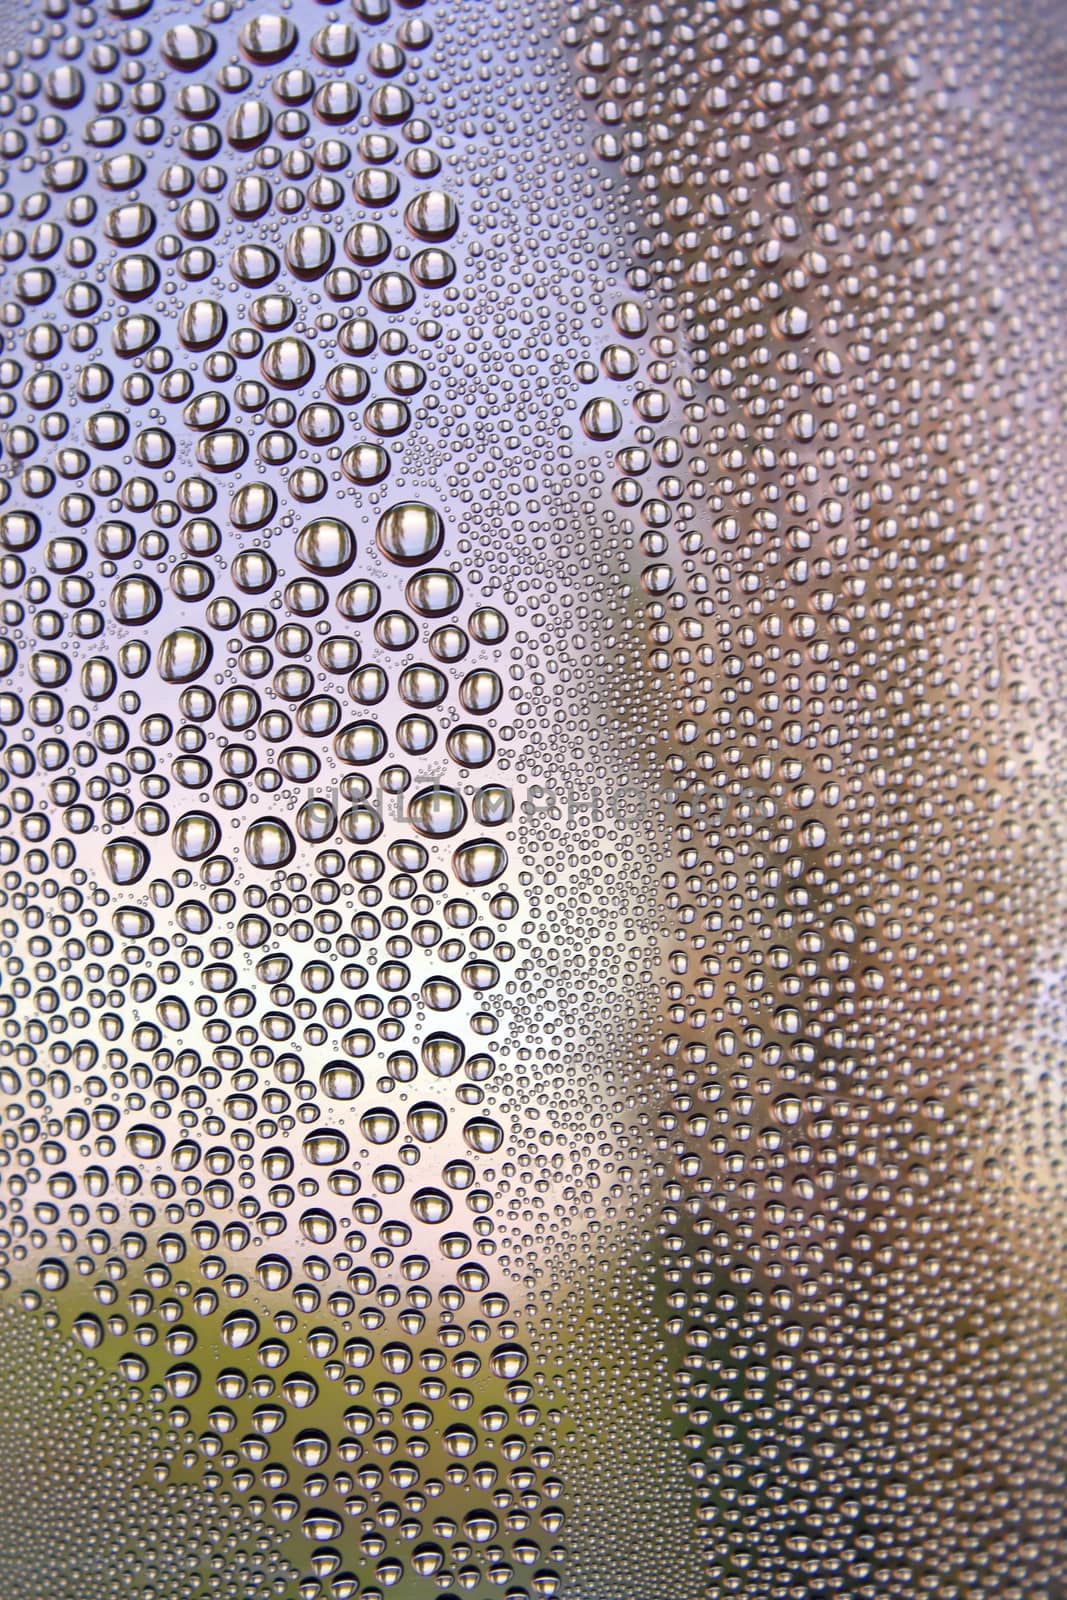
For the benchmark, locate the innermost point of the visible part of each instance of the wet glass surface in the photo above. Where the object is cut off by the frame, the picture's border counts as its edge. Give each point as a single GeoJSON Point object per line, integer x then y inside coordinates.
{"type": "Point", "coordinates": [531, 771]}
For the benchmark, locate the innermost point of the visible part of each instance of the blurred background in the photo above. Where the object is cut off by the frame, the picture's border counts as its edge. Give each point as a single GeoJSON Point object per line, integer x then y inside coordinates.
{"type": "Point", "coordinates": [531, 846]}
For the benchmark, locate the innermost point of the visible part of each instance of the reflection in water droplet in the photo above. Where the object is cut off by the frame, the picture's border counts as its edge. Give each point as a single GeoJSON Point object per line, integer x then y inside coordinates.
{"type": "Point", "coordinates": [184, 655]}
{"type": "Point", "coordinates": [480, 861]}
{"type": "Point", "coordinates": [341, 1081]}
{"type": "Point", "coordinates": [269, 844]}
{"type": "Point", "coordinates": [410, 532]}
{"type": "Point", "coordinates": [126, 861]}
{"type": "Point", "coordinates": [437, 813]}
{"type": "Point", "coordinates": [326, 545]}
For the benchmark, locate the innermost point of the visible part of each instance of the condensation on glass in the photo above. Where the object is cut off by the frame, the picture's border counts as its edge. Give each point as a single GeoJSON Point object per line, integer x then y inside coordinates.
{"type": "Point", "coordinates": [531, 776]}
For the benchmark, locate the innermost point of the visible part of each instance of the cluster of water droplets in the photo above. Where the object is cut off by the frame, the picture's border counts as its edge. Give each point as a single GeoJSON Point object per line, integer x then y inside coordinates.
{"type": "Point", "coordinates": [530, 864]}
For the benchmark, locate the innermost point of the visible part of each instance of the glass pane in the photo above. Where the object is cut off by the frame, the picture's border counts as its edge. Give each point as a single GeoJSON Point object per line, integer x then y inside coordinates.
{"type": "Point", "coordinates": [531, 757]}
